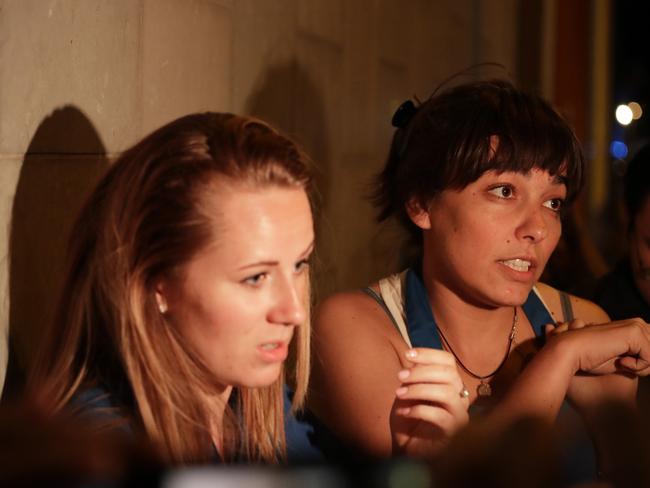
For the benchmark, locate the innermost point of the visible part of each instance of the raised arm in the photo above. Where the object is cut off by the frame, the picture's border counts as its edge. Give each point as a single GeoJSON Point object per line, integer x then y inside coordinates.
{"type": "Point", "coordinates": [607, 356]}
{"type": "Point", "coordinates": [589, 391]}
{"type": "Point", "coordinates": [372, 391]}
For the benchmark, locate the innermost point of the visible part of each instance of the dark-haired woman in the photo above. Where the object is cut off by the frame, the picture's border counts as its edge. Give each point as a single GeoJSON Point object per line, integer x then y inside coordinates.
{"type": "Point", "coordinates": [480, 175]}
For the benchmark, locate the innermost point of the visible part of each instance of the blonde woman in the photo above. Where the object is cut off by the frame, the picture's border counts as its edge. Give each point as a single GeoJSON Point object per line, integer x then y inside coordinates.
{"type": "Point", "coordinates": [187, 289]}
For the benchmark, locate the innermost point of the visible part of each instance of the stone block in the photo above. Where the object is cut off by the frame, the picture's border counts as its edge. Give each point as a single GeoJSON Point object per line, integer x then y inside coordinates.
{"type": "Point", "coordinates": [69, 52]}
{"type": "Point", "coordinates": [321, 18]}
{"type": "Point", "coordinates": [186, 59]}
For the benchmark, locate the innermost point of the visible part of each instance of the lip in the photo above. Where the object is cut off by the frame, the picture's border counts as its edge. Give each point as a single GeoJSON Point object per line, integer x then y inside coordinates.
{"type": "Point", "coordinates": [278, 354]}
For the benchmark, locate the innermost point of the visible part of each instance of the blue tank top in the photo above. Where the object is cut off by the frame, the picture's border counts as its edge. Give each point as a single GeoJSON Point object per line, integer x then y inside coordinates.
{"type": "Point", "coordinates": [579, 456]}
{"type": "Point", "coordinates": [422, 327]}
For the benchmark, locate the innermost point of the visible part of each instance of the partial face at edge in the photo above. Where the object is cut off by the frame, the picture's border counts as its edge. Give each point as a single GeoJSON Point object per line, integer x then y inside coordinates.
{"type": "Point", "coordinates": [238, 301]}
{"type": "Point", "coordinates": [640, 250]}
{"type": "Point", "coordinates": [489, 242]}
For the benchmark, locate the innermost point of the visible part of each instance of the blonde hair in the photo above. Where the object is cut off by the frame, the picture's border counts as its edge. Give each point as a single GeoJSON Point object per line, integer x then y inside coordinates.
{"type": "Point", "coordinates": [144, 219]}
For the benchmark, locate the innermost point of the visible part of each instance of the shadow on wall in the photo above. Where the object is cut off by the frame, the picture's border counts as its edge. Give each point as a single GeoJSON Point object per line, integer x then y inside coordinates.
{"type": "Point", "coordinates": [64, 160]}
{"type": "Point", "coordinates": [288, 98]}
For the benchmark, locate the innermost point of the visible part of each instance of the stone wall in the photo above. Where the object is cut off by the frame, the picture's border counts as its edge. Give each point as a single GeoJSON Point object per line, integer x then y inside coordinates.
{"type": "Point", "coordinates": [81, 80]}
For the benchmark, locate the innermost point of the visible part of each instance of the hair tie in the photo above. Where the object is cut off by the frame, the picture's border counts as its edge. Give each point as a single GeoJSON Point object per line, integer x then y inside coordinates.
{"type": "Point", "coordinates": [403, 114]}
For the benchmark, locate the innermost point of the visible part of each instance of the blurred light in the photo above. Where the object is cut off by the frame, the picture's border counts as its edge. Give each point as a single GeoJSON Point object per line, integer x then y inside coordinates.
{"type": "Point", "coordinates": [409, 475]}
{"type": "Point", "coordinates": [618, 149]}
{"type": "Point", "coordinates": [623, 114]}
{"type": "Point", "coordinates": [636, 109]}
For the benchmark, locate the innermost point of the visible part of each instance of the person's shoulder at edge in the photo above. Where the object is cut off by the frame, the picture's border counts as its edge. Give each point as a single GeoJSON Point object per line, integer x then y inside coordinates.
{"type": "Point", "coordinates": [583, 309]}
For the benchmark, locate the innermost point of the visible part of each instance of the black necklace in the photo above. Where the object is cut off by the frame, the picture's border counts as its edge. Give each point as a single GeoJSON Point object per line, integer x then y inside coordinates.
{"type": "Point", "coordinates": [484, 389]}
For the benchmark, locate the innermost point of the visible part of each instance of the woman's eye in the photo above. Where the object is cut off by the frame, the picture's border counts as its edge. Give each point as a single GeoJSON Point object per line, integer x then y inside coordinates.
{"type": "Point", "coordinates": [255, 279]}
{"type": "Point", "coordinates": [502, 191]}
{"type": "Point", "coordinates": [554, 204]}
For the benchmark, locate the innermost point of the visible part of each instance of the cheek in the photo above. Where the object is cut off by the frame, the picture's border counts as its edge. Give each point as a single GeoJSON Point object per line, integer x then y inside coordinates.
{"type": "Point", "coordinates": [218, 325]}
{"type": "Point", "coordinates": [549, 244]}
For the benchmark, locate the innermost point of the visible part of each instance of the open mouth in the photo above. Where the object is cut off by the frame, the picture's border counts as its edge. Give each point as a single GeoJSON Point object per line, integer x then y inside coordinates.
{"type": "Point", "coordinates": [274, 352]}
{"type": "Point", "coordinates": [518, 264]}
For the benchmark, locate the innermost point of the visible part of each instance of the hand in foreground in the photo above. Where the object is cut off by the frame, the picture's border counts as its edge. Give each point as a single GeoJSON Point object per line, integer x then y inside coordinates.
{"type": "Point", "coordinates": [429, 406]}
{"type": "Point", "coordinates": [589, 389]}
{"type": "Point", "coordinates": [615, 347]}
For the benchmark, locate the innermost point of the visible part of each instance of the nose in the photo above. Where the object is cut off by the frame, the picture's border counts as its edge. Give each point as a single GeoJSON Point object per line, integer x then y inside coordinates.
{"type": "Point", "coordinates": [290, 302]}
{"type": "Point", "coordinates": [533, 227]}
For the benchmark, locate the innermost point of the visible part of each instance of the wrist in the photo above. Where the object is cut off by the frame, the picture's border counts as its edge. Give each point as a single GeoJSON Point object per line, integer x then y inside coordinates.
{"type": "Point", "coordinates": [563, 353]}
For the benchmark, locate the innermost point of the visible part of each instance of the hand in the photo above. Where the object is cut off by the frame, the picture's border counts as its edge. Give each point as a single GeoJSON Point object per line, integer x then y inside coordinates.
{"type": "Point", "coordinates": [428, 407]}
{"type": "Point", "coordinates": [587, 390]}
{"type": "Point", "coordinates": [615, 347]}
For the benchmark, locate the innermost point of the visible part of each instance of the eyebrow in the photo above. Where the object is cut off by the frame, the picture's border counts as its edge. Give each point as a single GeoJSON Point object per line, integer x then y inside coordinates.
{"type": "Point", "coordinates": [308, 250]}
{"type": "Point", "coordinates": [560, 180]}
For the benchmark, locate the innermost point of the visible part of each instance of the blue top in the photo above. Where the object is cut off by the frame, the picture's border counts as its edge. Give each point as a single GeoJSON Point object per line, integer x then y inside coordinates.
{"type": "Point", "coordinates": [98, 404]}
{"type": "Point", "coordinates": [422, 327]}
{"type": "Point", "coordinates": [579, 456]}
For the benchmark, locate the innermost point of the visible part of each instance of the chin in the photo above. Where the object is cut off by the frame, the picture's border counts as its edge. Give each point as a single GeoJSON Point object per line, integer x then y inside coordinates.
{"type": "Point", "coordinates": [514, 297]}
{"type": "Point", "coordinates": [261, 379]}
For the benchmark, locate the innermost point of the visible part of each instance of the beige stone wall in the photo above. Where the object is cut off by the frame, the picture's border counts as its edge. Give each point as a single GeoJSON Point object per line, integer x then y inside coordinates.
{"type": "Point", "coordinates": [81, 80]}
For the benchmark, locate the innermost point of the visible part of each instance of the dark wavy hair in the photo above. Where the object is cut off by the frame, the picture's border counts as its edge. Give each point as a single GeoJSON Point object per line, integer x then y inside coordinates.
{"type": "Point", "coordinates": [446, 144]}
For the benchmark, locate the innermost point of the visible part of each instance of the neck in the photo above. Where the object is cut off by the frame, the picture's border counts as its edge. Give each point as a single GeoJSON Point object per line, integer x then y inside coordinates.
{"type": "Point", "coordinates": [464, 322]}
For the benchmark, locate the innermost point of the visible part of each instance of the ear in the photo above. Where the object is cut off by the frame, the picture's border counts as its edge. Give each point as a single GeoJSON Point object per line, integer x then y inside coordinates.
{"type": "Point", "coordinates": [161, 299]}
{"type": "Point", "coordinates": [418, 215]}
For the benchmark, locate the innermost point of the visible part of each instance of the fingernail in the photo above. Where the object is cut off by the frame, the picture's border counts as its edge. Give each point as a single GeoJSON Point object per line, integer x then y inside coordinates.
{"type": "Point", "coordinates": [403, 410]}
{"type": "Point", "coordinates": [405, 373]}
{"type": "Point", "coordinates": [411, 353]}
{"type": "Point", "coordinates": [401, 391]}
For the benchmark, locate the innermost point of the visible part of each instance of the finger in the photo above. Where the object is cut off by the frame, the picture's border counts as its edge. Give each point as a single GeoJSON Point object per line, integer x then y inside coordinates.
{"type": "Point", "coordinates": [427, 355]}
{"type": "Point", "coordinates": [441, 418]}
{"type": "Point", "coordinates": [430, 373]}
{"type": "Point", "coordinates": [634, 365]}
{"type": "Point", "coordinates": [443, 395]}
{"type": "Point", "coordinates": [558, 328]}
{"type": "Point", "coordinates": [548, 329]}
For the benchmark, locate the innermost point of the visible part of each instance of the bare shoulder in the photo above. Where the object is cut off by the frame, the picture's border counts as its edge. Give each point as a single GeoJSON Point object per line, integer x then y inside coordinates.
{"type": "Point", "coordinates": [582, 308]}
{"type": "Point", "coordinates": [349, 304]}
{"type": "Point", "coordinates": [356, 314]}
{"type": "Point", "coordinates": [357, 355]}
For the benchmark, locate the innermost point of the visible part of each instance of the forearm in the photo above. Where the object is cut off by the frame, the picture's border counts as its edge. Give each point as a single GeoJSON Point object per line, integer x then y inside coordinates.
{"type": "Point", "coordinates": [541, 387]}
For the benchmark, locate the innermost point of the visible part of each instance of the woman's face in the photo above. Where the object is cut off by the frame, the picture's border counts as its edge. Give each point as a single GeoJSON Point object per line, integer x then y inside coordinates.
{"type": "Point", "coordinates": [489, 242]}
{"type": "Point", "coordinates": [640, 250]}
{"type": "Point", "coordinates": [238, 301]}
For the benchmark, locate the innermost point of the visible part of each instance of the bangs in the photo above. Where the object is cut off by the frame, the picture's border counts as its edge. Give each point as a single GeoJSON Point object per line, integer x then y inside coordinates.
{"type": "Point", "coordinates": [516, 137]}
{"type": "Point", "coordinates": [456, 136]}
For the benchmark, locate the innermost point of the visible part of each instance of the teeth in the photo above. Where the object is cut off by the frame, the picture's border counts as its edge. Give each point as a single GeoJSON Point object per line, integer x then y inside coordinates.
{"type": "Point", "coordinates": [270, 345]}
{"type": "Point", "coordinates": [517, 264]}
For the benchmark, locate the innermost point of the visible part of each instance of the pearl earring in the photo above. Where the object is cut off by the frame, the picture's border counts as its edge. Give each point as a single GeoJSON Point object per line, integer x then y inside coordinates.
{"type": "Point", "coordinates": [162, 307]}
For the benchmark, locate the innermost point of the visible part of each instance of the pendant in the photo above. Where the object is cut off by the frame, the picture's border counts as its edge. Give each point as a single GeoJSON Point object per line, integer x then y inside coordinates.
{"type": "Point", "coordinates": [484, 390]}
